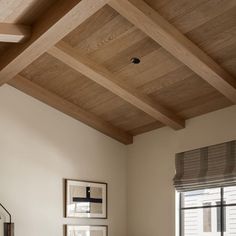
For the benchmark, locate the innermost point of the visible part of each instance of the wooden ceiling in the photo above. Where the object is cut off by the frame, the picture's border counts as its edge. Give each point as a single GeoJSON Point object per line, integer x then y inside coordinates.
{"type": "Point", "coordinates": [76, 57]}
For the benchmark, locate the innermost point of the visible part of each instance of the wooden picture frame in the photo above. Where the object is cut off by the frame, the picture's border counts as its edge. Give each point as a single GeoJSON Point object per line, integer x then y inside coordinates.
{"type": "Point", "coordinates": [85, 199]}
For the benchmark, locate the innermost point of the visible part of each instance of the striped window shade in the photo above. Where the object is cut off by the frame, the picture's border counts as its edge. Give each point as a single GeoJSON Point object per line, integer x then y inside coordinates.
{"type": "Point", "coordinates": [207, 167]}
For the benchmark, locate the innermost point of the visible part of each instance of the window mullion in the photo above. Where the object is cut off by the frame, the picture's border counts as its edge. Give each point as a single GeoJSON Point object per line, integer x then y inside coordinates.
{"type": "Point", "coordinates": [222, 211]}
{"type": "Point", "coordinates": [180, 215]}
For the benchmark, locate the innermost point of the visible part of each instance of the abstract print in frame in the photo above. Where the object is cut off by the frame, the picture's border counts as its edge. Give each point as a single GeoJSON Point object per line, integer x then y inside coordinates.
{"type": "Point", "coordinates": [86, 199]}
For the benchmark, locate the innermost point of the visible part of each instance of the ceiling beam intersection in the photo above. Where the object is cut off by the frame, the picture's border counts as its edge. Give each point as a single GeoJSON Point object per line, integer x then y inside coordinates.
{"type": "Point", "coordinates": [62, 18]}
{"type": "Point", "coordinates": [103, 77]}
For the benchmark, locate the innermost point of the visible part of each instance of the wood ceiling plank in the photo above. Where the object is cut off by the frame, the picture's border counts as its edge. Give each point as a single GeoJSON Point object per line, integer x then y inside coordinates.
{"type": "Point", "coordinates": [91, 26]}
{"type": "Point", "coordinates": [174, 10]}
{"type": "Point", "coordinates": [103, 77]}
{"type": "Point", "coordinates": [210, 102]}
{"type": "Point", "coordinates": [70, 109]}
{"type": "Point", "coordinates": [13, 33]}
{"type": "Point", "coordinates": [187, 15]}
{"type": "Point", "coordinates": [188, 93]}
{"type": "Point", "coordinates": [118, 46]}
{"type": "Point", "coordinates": [109, 32]}
{"type": "Point", "coordinates": [201, 15]}
{"type": "Point", "coordinates": [167, 80]}
{"type": "Point", "coordinates": [160, 30]}
{"type": "Point", "coordinates": [216, 34]}
{"type": "Point", "coordinates": [146, 128]}
{"type": "Point", "coordinates": [56, 23]}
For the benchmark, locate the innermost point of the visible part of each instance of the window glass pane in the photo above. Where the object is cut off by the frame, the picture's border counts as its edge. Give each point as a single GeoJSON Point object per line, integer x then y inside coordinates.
{"type": "Point", "coordinates": [194, 222]}
{"type": "Point", "coordinates": [230, 221]}
{"type": "Point", "coordinates": [207, 218]}
{"type": "Point", "coordinates": [230, 195]}
{"type": "Point", "coordinates": [201, 197]}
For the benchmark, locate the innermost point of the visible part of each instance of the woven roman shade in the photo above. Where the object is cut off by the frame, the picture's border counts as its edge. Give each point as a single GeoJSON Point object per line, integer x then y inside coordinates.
{"type": "Point", "coordinates": [206, 167]}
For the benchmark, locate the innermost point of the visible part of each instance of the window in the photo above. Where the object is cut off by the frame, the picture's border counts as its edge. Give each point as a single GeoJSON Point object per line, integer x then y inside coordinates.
{"type": "Point", "coordinates": [208, 212]}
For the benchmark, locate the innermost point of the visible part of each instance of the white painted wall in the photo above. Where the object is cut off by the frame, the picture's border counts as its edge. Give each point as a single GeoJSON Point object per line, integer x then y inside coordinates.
{"type": "Point", "coordinates": [40, 146]}
{"type": "Point", "coordinates": [151, 167]}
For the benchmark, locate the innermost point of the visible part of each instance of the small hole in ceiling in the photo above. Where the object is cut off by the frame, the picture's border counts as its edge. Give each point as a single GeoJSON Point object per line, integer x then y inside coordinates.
{"type": "Point", "coordinates": [135, 60]}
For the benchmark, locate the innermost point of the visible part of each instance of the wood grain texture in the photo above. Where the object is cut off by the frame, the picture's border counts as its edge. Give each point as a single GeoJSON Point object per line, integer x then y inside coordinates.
{"type": "Point", "coordinates": [160, 30]}
{"type": "Point", "coordinates": [58, 21]}
{"type": "Point", "coordinates": [187, 96]}
{"type": "Point", "coordinates": [146, 128]}
{"type": "Point", "coordinates": [110, 40]}
{"type": "Point", "coordinates": [13, 33]}
{"type": "Point", "coordinates": [23, 11]}
{"type": "Point", "coordinates": [103, 77]}
{"type": "Point", "coordinates": [57, 77]}
{"type": "Point", "coordinates": [70, 109]}
{"type": "Point", "coordinates": [188, 15]}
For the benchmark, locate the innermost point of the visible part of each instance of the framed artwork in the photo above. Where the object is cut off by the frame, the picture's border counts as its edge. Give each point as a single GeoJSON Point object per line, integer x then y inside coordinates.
{"type": "Point", "coordinates": [79, 230]}
{"type": "Point", "coordinates": [86, 199]}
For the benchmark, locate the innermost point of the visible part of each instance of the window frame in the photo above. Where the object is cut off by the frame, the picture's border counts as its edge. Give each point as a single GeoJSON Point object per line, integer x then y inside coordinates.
{"type": "Point", "coordinates": [222, 206]}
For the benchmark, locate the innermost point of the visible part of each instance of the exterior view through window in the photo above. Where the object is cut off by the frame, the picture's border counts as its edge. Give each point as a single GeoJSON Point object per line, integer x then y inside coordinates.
{"type": "Point", "coordinates": [208, 212]}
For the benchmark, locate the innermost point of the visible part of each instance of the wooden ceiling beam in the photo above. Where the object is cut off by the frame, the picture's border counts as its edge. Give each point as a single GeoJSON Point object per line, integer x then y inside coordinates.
{"type": "Point", "coordinates": [55, 24]}
{"type": "Point", "coordinates": [103, 77]}
{"type": "Point", "coordinates": [155, 26]}
{"type": "Point", "coordinates": [70, 109]}
{"type": "Point", "coordinates": [13, 33]}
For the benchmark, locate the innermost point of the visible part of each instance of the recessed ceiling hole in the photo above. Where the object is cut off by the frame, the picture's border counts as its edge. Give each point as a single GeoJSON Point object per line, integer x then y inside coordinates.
{"type": "Point", "coordinates": [135, 60]}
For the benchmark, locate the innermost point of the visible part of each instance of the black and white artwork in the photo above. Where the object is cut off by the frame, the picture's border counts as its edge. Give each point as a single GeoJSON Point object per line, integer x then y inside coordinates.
{"type": "Point", "coordinates": [86, 199]}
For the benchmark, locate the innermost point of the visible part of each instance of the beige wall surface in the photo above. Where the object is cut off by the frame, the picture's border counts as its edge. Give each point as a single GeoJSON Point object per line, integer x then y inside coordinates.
{"type": "Point", "coordinates": [151, 168]}
{"type": "Point", "coordinates": [40, 146]}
